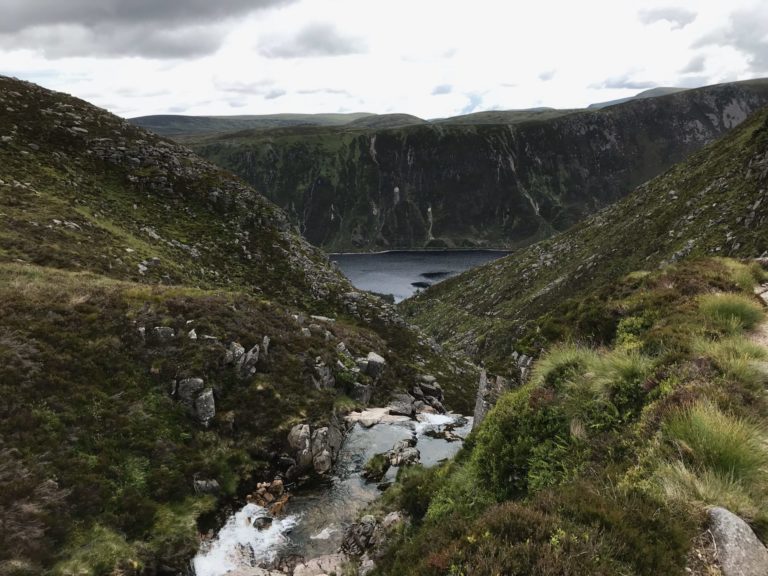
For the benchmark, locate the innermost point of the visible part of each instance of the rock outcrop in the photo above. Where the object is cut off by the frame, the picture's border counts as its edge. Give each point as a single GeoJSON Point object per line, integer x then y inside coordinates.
{"type": "Point", "coordinates": [739, 552]}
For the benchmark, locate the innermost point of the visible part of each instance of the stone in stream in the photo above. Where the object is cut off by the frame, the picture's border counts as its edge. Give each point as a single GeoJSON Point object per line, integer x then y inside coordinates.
{"type": "Point", "coordinates": [401, 405]}
{"type": "Point", "coordinates": [739, 552]}
{"type": "Point", "coordinates": [322, 565]}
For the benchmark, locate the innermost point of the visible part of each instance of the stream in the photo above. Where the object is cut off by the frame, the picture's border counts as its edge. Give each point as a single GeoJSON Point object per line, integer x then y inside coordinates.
{"type": "Point", "coordinates": [318, 515]}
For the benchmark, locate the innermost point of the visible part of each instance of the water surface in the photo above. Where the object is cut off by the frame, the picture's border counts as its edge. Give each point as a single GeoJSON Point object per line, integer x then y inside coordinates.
{"type": "Point", "coordinates": [402, 273]}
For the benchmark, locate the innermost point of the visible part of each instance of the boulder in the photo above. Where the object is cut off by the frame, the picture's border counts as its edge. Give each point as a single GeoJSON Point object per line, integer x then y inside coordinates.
{"type": "Point", "coordinates": [322, 565]}
{"type": "Point", "coordinates": [431, 389]}
{"type": "Point", "coordinates": [375, 365]}
{"type": "Point", "coordinates": [405, 457]}
{"type": "Point", "coordinates": [206, 487]}
{"type": "Point", "coordinates": [361, 393]}
{"type": "Point", "coordinates": [205, 406]}
{"type": "Point", "coordinates": [247, 363]}
{"type": "Point", "coordinates": [739, 552]}
{"type": "Point", "coordinates": [323, 378]}
{"type": "Point", "coordinates": [265, 342]}
{"type": "Point", "coordinates": [402, 405]}
{"type": "Point", "coordinates": [322, 462]}
{"type": "Point", "coordinates": [299, 437]}
{"type": "Point", "coordinates": [234, 352]}
{"type": "Point", "coordinates": [188, 389]}
{"type": "Point", "coordinates": [358, 537]}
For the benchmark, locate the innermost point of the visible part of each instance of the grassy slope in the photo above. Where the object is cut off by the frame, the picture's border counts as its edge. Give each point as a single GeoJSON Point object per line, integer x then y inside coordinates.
{"type": "Point", "coordinates": [714, 204]}
{"type": "Point", "coordinates": [100, 238]}
{"type": "Point", "coordinates": [606, 460]}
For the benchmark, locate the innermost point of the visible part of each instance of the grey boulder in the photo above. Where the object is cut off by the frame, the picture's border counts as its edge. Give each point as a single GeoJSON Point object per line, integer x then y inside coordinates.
{"type": "Point", "coordinates": [739, 552]}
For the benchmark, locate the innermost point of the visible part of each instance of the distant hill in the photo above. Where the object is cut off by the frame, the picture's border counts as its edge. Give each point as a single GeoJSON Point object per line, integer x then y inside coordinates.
{"type": "Point", "coordinates": [652, 93]}
{"type": "Point", "coordinates": [505, 116]}
{"type": "Point", "coordinates": [179, 125]}
{"type": "Point", "coordinates": [386, 121]}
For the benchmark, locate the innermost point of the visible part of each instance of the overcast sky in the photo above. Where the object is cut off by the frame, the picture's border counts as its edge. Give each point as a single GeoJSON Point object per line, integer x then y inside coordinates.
{"type": "Point", "coordinates": [431, 58]}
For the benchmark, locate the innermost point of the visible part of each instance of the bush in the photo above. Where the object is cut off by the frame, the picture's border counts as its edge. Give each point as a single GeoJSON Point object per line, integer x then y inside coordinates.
{"type": "Point", "coordinates": [562, 364]}
{"type": "Point", "coordinates": [621, 375]}
{"type": "Point", "coordinates": [731, 313]}
{"type": "Point", "coordinates": [462, 493]}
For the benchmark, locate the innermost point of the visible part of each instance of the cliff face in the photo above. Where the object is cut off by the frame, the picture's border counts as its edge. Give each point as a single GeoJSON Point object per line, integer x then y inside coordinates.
{"type": "Point", "coordinates": [456, 184]}
{"type": "Point", "coordinates": [713, 204]}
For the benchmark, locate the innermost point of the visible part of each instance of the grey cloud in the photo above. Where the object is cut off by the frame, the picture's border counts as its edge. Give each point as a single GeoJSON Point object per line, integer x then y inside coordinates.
{"type": "Point", "coordinates": [624, 82]}
{"type": "Point", "coordinates": [20, 14]}
{"type": "Point", "coordinates": [745, 32]}
{"type": "Point", "coordinates": [103, 28]}
{"type": "Point", "coordinates": [442, 89]}
{"type": "Point", "coordinates": [678, 17]}
{"type": "Point", "coordinates": [273, 94]}
{"type": "Point", "coordinates": [695, 65]}
{"type": "Point", "coordinates": [317, 39]}
{"type": "Point", "coordinates": [547, 75]}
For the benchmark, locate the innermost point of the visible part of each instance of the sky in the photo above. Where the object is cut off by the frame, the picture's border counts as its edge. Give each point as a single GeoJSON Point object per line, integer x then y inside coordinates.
{"type": "Point", "coordinates": [430, 58]}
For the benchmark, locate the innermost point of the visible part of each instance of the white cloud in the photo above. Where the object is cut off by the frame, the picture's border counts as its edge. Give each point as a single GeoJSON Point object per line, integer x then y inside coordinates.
{"type": "Point", "coordinates": [398, 56]}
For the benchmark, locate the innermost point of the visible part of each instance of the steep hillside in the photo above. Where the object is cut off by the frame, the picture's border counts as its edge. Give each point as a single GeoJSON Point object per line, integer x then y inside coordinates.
{"type": "Point", "coordinates": [499, 184]}
{"type": "Point", "coordinates": [176, 125]}
{"type": "Point", "coordinates": [715, 203]}
{"type": "Point", "coordinates": [643, 456]}
{"type": "Point", "coordinates": [162, 329]}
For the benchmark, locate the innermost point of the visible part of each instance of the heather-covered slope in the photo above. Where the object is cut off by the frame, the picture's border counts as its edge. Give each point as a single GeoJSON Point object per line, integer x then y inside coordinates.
{"type": "Point", "coordinates": [715, 203]}
{"type": "Point", "coordinates": [495, 179]}
{"type": "Point", "coordinates": [157, 342]}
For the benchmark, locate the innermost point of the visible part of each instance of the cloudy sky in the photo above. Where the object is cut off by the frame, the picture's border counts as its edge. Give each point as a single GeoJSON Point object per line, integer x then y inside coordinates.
{"type": "Point", "coordinates": [431, 58]}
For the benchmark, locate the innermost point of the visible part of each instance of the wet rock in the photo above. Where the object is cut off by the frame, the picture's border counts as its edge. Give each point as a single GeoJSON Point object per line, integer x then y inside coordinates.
{"type": "Point", "coordinates": [357, 538]}
{"type": "Point", "coordinates": [739, 552]}
{"type": "Point", "coordinates": [402, 405]}
{"type": "Point", "coordinates": [431, 389]}
{"type": "Point", "coordinates": [375, 365]}
{"type": "Point", "coordinates": [404, 453]}
{"type": "Point", "coordinates": [262, 522]}
{"type": "Point", "coordinates": [322, 565]}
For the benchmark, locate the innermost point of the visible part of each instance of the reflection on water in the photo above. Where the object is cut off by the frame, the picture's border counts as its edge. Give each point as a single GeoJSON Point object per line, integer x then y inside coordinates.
{"type": "Point", "coordinates": [319, 514]}
{"type": "Point", "coordinates": [402, 273]}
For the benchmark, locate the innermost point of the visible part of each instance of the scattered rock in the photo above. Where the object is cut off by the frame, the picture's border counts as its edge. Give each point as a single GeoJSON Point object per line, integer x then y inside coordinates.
{"type": "Point", "coordinates": [164, 333]}
{"type": "Point", "coordinates": [234, 352]}
{"type": "Point", "coordinates": [357, 538]}
{"type": "Point", "coordinates": [206, 487]}
{"type": "Point", "coordinates": [375, 365]}
{"type": "Point", "coordinates": [739, 552]}
{"type": "Point", "coordinates": [247, 363]}
{"type": "Point", "coordinates": [404, 453]}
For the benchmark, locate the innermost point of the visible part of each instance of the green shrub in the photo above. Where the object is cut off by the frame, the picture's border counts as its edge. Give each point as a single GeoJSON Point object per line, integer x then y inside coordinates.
{"type": "Point", "coordinates": [731, 313]}
{"type": "Point", "coordinates": [375, 469]}
{"type": "Point", "coordinates": [621, 375]}
{"type": "Point", "coordinates": [99, 552]}
{"type": "Point", "coordinates": [462, 493]}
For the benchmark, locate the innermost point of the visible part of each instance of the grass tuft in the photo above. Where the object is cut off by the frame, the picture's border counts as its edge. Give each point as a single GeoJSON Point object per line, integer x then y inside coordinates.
{"type": "Point", "coordinates": [731, 313]}
{"type": "Point", "coordinates": [737, 357]}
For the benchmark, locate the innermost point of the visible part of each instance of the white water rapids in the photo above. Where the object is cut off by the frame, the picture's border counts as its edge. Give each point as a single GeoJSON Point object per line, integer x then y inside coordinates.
{"type": "Point", "coordinates": [320, 515]}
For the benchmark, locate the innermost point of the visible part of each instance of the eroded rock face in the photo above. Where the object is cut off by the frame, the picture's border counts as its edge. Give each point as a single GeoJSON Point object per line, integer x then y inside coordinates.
{"type": "Point", "coordinates": [739, 552]}
{"type": "Point", "coordinates": [316, 450]}
{"type": "Point", "coordinates": [453, 184]}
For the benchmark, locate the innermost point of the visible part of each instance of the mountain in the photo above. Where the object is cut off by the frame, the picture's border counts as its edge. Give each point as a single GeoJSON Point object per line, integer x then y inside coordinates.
{"type": "Point", "coordinates": [503, 184]}
{"type": "Point", "coordinates": [713, 204]}
{"type": "Point", "coordinates": [652, 93]}
{"type": "Point", "coordinates": [177, 126]}
{"type": "Point", "coordinates": [163, 328]}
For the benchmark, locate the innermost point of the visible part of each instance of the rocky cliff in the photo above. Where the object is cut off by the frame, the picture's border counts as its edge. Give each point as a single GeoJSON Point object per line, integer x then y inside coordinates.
{"type": "Point", "coordinates": [507, 183]}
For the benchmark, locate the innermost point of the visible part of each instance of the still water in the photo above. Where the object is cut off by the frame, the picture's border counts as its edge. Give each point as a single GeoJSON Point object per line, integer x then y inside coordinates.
{"type": "Point", "coordinates": [402, 273]}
